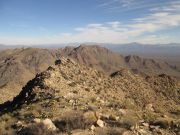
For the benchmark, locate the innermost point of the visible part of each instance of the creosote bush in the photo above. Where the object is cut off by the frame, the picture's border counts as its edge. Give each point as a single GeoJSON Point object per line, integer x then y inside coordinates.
{"type": "Point", "coordinates": [71, 121]}
{"type": "Point", "coordinates": [36, 129]}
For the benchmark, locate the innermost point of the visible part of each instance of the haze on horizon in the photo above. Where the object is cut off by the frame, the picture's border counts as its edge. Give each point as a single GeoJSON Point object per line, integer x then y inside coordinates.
{"type": "Point", "coordinates": [100, 21]}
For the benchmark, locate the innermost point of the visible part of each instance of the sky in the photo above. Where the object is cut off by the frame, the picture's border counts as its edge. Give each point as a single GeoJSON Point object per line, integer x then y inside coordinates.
{"type": "Point", "coordinates": [32, 22]}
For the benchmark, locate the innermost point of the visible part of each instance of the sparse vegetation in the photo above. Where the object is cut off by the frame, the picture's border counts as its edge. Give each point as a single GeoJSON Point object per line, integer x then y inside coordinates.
{"type": "Point", "coordinates": [36, 129]}
{"type": "Point", "coordinates": [88, 101]}
{"type": "Point", "coordinates": [73, 120]}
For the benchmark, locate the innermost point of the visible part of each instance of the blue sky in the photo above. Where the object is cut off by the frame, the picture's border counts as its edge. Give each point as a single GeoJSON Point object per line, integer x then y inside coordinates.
{"type": "Point", "coordinates": [101, 21]}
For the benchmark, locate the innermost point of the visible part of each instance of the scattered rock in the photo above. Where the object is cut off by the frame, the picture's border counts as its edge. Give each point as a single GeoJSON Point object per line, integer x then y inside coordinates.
{"type": "Point", "coordinates": [71, 101]}
{"type": "Point", "coordinates": [92, 127]}
{"type": "Point", "coordinates": [122, 111]}
{"type": "Point", "coordinates": [135, 127]}
{"type": "Point", "coordinates": [36, 120]}
{"type": "Point", "coordinates": [100, 123]}
{"type": "Point", "coordinates": [145, 124]}
{"type": "Point", "coordinates": [153, 127]}
{"type": "Point", "coordinates": [49, 124]}
{"type": "Point", "coordinates": [19, 125]}
{"type": "Point", "coordinates": [149, 107]}
{"type": "Point", "coordinates": [143, 132]}
{"type": "Point", "coordinates": [98, 98]}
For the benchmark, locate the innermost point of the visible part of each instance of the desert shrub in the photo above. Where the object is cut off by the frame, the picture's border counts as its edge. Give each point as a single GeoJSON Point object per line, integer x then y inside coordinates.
{"type": "Point", "coordinates": [5, 125]}
{"type": "Point", "coordinates": [28, 114]}
{"type": "Point", "coordinates": [149, 116]}
{"type": "Point", "coordinates": [36, 129]}
{"type": "Point", "coordinates": [163, 123]}
{"type": "Point", "coordinates": [7, 132]}
{"type": "Point", "coordinates": [71, 121]}
{"type": "Point", "coordinates": [46, 115]}
{"type": "Point", "coordinates": [128, 122]}
{"type": "Point", "coordinates": [6, 117]}
{"type": "Point", "coordinates": [113, 104]}
{"type": "Point", "coordinates": [93, 99]}
{"type": "Point", "coordinates": [110, 131]}
{"type": "Point", "coordinates": [128, 104]}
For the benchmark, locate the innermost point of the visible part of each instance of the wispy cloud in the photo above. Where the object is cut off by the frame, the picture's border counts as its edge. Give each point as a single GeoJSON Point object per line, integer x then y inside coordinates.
{"type": "Point", "coordinates": [171, 6]}
{"type": "Point", "coordinates": [123, 3]}
{"type": "Point", "coordinates": [142, 29]}
{"type": "Point", "coordinates": [132, 5]}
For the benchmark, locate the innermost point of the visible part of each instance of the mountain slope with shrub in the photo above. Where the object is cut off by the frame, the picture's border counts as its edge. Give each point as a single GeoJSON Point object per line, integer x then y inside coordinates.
{"type": "Point", "coordinates": [18, 66]}
{"type": "Point", "coordinates": [70, 98]}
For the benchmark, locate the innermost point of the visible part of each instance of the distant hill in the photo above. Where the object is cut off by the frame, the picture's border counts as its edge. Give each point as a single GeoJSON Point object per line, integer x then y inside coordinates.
{"type": "Point", "coordinates": [137, 48]}
{"type": "Point", "coordinates": [95, 56]}
{"type": "Point", "coordinates": [17, 66]}
{"type": "Point", "coordinates": [109, 61]}
{"type": "Point", "coordinates": [165, 52]}
{"type": "Point", "coordinates": [2, 47]}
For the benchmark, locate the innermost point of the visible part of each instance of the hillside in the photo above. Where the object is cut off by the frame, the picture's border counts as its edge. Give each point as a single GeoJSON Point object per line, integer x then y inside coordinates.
{"type": "Point", "coordinates": [18, 66]}
{"type": "Point", "coordinates": [95, 56]}
{"type": "Point", "coordinates": [162, 52]}
{"type": "Point", "coordinates": [107, 61]}
{"type": "Point", "coordinates": [81, 100]}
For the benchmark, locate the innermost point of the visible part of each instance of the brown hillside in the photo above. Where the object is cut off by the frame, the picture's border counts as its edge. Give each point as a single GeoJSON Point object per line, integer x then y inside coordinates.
{"type": "Point", "coordinates": [78, 97]}
{"type": "Point", "coordinates": [17, 66]}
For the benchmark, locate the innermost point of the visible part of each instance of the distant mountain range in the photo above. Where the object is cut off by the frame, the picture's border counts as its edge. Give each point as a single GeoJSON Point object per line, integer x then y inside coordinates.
{"type": "Point", "coordinates": [127, 47]}
{"type": "Point", "coordinates": [136, 48]}
{"type": "Point", "coordinates": [168, 52]}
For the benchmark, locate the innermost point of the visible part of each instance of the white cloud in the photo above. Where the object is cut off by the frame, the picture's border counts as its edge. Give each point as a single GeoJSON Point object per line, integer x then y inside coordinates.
{"type": "Point", "coordinates": [116, 31]}
{"type": "Point", "coordinates": [126, 3]}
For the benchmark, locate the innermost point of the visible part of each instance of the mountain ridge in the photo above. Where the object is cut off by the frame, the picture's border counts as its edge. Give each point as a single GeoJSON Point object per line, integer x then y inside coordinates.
{"type": "Point", "coordinates": [68, 87]}
{"type": "Point", "coordinates": [17, 66]}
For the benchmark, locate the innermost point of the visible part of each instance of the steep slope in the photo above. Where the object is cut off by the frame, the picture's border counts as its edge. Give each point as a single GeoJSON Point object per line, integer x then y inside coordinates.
{"type": "Point", "coordinates": [150, 66]}
{"type": "Point", "coordinates": [78, 97]}
{"type": "Point", "coordinates": [17, 66]}
{"type": "Point", "coordinates": [94, 56]}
